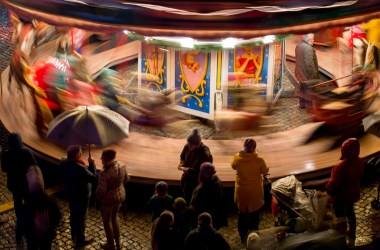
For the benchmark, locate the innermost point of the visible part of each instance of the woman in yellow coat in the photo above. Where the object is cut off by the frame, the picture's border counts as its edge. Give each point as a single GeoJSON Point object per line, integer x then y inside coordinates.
{"type": "Point", "coordinates": [249, 191]}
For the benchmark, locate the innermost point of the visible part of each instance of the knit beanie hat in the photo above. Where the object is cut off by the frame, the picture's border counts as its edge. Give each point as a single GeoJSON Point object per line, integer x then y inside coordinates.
{"type": "Point", "coordinates": [194, 138]}
{"type": "Point", "coordinates": [207, 170]}
{"type": "Point", "coordinates": [350, 149]}
{"type": "Point", "coordinates": [180, 203]}
{"type": "Point", "coordinates": [161, 188]}
{"type": "Point", "coordinates": [249, 145]}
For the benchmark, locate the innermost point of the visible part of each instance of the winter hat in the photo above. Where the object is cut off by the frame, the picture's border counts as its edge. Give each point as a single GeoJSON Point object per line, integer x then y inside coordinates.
{"type": "Point", "coordinates": [253, 241]}
{"type": "Point", "coordinates": [14, 141]}
{"type": "Point", "coordinates": [207, 170]}
{"type": "Point", "coordinates": [350, 149]}
{"type": "Point", "coordinates": [194, 138]}
{"type": "Point", "coordinates": [249, 145]}
{"type": "Point", "coordinates": [161, 188]}
{"type": "Point", "coordinates": [180, 203]}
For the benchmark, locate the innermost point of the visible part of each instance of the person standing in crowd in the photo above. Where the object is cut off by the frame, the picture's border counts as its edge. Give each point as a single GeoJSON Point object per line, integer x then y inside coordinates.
{"type": "Point", "coordinates": [161, 200]}
{"type": "Point", "coordinates": [208, 196]}
{"type": "Point", "coordinates": [78, 180]}
{"type": "Point", "coordinates": [163, 236]}
{"type": "Point", "coordinates": [183, 220]}
{"type": "Point", "coordinates": [249, 191]}
{"type": "Point", "coordinates": [42, 219]}
{"type": "Point", "coordinates": [344, 187]}
{"type": "Point", "coordinates": [306, 66]}
{"type": "Point", "coordinates": [111, 194]}
{"type": "Point", "coordinates": [16, 162]}
{"type": "Point", "coordinates": [192, 156]}
{"type": "Point", "coordinates": [205, 236]}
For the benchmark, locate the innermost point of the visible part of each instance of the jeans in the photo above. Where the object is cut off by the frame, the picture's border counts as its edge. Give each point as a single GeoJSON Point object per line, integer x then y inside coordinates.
{"type": "Point", "coordinates": [111, 223]}
{"type": "Point", "coordinates": [78, 216]}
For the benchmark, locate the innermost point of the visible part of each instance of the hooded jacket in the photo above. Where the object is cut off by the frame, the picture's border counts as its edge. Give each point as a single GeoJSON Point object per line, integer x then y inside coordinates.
{"type": "Point", "coordinates": [249, 190]}
{"type": "Point", "coordinates": [344, 183]}
{"type": "Point", "coordinates": [208, 197]}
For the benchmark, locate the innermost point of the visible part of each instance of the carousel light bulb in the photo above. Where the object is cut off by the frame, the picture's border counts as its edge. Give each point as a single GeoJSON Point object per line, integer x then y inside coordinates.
{"type": "Point", "coordinates": [268, 39]}
{"type": "Point", "coordinates": [187, 42]}
{"type": "Point", "coordinates": [126, 32]}
{"type": "Point", "coordinates": [229, 43]}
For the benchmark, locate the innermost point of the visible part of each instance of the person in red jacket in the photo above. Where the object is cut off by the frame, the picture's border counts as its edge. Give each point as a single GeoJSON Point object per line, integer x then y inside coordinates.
{"type": "Point", "coordinates": [344, 187]}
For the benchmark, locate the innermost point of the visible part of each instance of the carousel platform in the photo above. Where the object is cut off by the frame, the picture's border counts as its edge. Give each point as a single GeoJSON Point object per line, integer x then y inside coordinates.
{"type": "Point", "coordinates": [151, 158]}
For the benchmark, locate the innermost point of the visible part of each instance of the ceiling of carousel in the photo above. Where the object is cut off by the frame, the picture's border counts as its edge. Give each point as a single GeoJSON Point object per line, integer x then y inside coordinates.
{"type": "Point", "coordinates": [198, 19]}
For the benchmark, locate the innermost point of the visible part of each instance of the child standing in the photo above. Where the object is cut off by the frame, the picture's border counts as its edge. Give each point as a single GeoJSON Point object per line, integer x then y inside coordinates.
{"type": "Point", "coordinates": [160, 200]}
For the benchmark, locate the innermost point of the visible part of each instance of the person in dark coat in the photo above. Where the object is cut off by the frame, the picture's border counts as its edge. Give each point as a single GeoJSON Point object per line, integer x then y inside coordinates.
{"type": "Point", "coordinates": [208, 196]}
{"type": "Point", "coordinates": [162, 235]}
{"type": "Point", "coordinates": [78, 180]}
{"type": "Point", "coordinates": [43, 217]}
{"type": "Point", "coordinates": [192, 156]}
{"type": "Point", "coordinates": [344, 187]}
{"type": "Point", "coordinates": [205, 236]}
{"type": "Point", "coordinates": [16, 162]}
{"type": "Point", "coordinates": [184, 219]}
{"type": "Point", "coordinates": [306, 66]}
{"type": "Point", "coordinates": [161, 200]}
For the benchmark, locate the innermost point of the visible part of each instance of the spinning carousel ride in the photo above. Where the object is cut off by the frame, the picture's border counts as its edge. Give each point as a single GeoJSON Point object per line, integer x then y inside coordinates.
{"type": "Point", "coordinates": [187, 62]}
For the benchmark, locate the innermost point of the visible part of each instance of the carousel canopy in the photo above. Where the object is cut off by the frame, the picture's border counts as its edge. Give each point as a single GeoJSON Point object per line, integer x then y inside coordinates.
{"type": "Point", "coordinates": [198, 18]}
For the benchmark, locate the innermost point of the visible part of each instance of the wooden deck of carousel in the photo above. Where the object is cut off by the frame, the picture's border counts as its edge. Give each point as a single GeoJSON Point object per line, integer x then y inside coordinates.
{"type": "Point", "coordinates": [150, 158]}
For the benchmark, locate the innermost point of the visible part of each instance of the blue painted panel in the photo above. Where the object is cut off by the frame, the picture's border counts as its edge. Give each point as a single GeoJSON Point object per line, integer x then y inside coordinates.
{"type": "Point", "coordinates": [233, 57]}
{"type": "Point", "coordinates": [188, 78]}
{"type": "Point", "coordinates": [153, 67]}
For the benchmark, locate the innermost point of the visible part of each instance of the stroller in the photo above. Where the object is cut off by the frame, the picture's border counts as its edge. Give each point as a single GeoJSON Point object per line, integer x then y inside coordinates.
{"type": "Point", "coordinates": [306, 213]}
{"type": "Point", "coordinates": [299, 209]}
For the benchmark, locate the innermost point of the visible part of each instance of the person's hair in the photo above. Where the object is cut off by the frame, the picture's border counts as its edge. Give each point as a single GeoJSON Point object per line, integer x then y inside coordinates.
{"type": "Point", "coordinates": [204, 220]}
{"type": "Point", "coordinates": [108, 154]}
{"type": "Point", "coordinates": [166, 217]}
{"type": "Point", "coordinates": [249, 145]}
{"type": "Point", "coordinates": [161, 224]}
{"type": "Point", "coordinates": [194, 138]}
{"type": "Point", "coordinates": [307, 37]}
{"type": "Point", "coordinates": [72, 151]}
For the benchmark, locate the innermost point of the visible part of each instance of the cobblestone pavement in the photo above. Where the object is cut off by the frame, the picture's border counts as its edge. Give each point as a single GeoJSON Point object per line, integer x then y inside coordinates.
{"type": "Point", "coordinates": [135, 219]}
{"type": "Point", "coordinates": [136, 223]}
